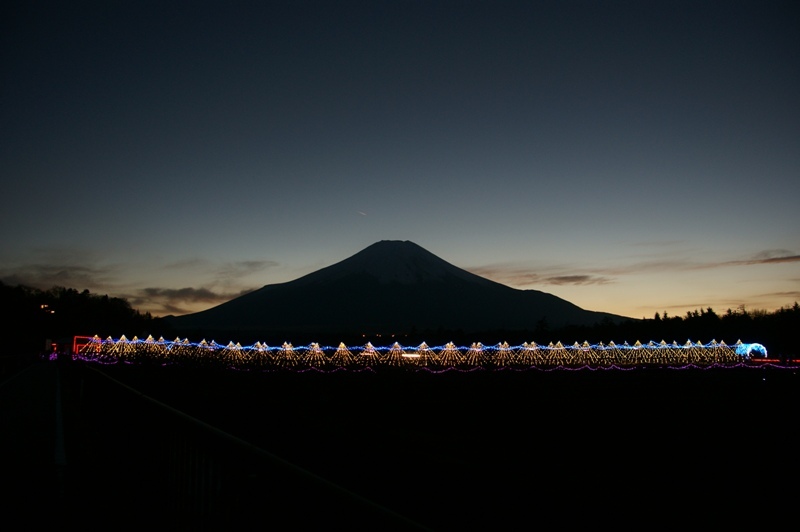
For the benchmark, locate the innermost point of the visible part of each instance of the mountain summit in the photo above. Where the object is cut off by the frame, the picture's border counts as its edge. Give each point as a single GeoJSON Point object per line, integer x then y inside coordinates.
{"type": "Point", "coordinates": [394, 261]}
{"type": "Point", "coordinates": [389, 288]}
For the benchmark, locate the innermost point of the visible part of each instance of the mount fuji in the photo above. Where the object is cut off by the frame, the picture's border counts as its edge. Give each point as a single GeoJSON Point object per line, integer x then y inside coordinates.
{"type": "Point", "coordinates": [389, 288]}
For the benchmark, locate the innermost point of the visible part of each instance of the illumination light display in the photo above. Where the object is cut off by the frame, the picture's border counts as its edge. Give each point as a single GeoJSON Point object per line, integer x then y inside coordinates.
{"type": "Point", "coordinates": [448, 356]}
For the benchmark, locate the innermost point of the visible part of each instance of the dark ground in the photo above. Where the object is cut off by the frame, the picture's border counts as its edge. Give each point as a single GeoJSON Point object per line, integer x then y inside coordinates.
{"type": "Point", "coordinates": [499, 450]}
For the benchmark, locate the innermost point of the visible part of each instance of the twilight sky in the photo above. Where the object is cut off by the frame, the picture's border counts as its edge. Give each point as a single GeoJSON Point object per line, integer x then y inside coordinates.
{"type": "Point", "coordinates": [629, 157]}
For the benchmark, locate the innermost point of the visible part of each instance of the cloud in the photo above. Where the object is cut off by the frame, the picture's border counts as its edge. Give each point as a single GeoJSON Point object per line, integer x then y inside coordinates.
{"type": "Point", "coordinates": [507, 275]}
{"type": "Point", "coordinates": [770, 254]}
{"type": "Point", "coordinates": [72, 269]}
{"type": "Point", "coordinates": [693, 306]}
{"type": "Point", "coordinates": [577, 280]}
{"type": "Point", "coordinates": [770, 260]}
{"type": "Point", "coordinates": [670, 262]}
{"type": "Point", "coordinates": [46, 276]}
{"type": "Point", "coordinates": [652, 266]}
{"type": "Point", "coordinates": [790, 294]}
{"type": "Point", "coordinates": [764, 257]}
{"type": "Point", "coordinates": [236, 270]}
{"type": "Point", "coordinates": [767, 301]}
{"type": "Point", "coordinates": [659, 243]}
{"type": "Point", "coordinates": [515, 276]}
{"type": "Point", "coordinates": [512, 274]}
{"type": "Point", "coordinates": [182, 294]}
{"type": "Point", "coordinates": [186, 264]}
{"type": "Point", "coordinates": [179, 300]}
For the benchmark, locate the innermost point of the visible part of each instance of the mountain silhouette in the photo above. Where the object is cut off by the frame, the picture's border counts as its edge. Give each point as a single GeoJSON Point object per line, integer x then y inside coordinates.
{"type": "Point", "coordinates": [390, 287]}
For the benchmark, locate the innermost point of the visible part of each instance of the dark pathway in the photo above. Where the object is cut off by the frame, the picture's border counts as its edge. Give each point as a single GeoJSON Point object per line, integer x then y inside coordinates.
{"type": "Point", "coordinates": [449, 452]}
{"type": "Point", "coordinates": [32, 444]}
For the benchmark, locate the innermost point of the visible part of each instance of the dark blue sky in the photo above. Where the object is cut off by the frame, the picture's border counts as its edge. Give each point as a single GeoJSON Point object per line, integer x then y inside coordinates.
{"type": "Point", "coordinates": [630, 157]}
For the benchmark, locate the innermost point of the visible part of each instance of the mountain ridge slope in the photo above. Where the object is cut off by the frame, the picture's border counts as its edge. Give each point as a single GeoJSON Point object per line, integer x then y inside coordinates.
{"type": "Point", "coordinates": [390, 287]}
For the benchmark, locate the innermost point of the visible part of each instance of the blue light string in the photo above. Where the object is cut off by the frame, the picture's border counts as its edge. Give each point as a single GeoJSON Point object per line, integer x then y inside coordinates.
{"type": "Point", "coordinates": [741, 348]}
{"type": "Point", "coordinates": [745, 350]}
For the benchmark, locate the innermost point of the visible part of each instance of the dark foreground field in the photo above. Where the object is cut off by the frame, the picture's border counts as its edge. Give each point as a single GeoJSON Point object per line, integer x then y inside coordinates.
{"type": "Point", "coordinates": [486, 450]}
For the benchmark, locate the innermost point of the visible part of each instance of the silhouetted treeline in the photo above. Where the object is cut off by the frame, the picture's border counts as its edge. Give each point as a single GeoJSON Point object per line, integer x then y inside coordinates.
{"type": "Point", "coordinates": [772, 329]}
{"type": "Point", "coordinates": [31, 317]}
{"type": "Point", "coordinates": [775, 330]}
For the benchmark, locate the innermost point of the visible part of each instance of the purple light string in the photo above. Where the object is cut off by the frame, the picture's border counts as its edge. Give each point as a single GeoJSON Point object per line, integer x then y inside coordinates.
{"type": "Point", "coordinates": [431, 359]}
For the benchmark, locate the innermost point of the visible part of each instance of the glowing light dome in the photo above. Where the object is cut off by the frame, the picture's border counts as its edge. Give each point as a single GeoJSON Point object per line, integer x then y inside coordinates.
{"type": "Point", "coordinates": [746, 350]}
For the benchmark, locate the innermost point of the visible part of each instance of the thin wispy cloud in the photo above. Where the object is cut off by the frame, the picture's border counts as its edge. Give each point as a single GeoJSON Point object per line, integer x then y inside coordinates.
{"type": "Point", "coordinates": [180, 300]}
{"type": "Point", "coordinates": [769, 260]}
{"type": "Point", "coordinates": [77, 268]}
{"type": "Point", "coordinates": [659, 243]}
{"type": "Point", "coordinates": [722, 304]}
{"type": "Point", "coordinates": [774, 254]}
{"type": "Point", "coordinates": [691, 304]}
{"type": "Point", "coordinates": [194, 295]}
{"type": "Point", "coordinates": [67, 268]}
{"type": "Point", "coordinates": [45, 276]}
{"type": "Point", "coordinates": [651, 266]}
{"type": "Point", "coordinates": [792, 294]}
{"type": "Point", "coordinates": [764, 257]}
{"type": "Point", "coordinates": [672, 265]}
{"type": "Point", "coordinates": [237, 270]}
{"type": "Point", "coordinates": [513, 274]}
{"type": "Point", "coordinates": [577, 280]}
{"type": "Point", "coordinates": [187, 264]}
{"type": "Point", "coordinates": [508, 274]}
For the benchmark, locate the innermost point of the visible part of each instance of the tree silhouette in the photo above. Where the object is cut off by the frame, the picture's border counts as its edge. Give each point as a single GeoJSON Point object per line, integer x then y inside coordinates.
{"type": "Point", "coordinates": [32, 317]}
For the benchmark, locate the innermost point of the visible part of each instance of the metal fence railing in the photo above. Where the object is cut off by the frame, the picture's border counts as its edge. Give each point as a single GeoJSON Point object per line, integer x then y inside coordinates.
{"type": "Point", "coordinates": [146, 460]}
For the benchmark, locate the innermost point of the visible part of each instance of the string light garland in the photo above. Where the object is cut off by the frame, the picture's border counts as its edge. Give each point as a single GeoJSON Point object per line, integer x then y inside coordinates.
{"type": "Point", "coordinates": [432, 358]}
